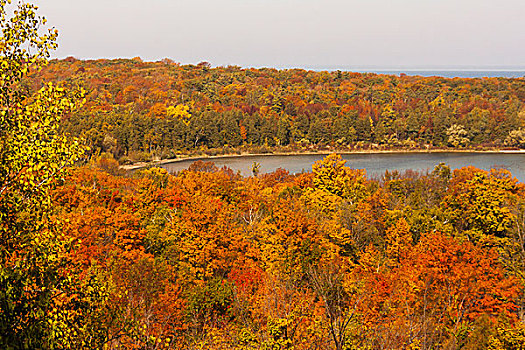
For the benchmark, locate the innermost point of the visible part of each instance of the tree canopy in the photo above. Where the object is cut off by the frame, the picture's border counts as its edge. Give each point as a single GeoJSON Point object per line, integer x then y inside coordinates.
{"type": "Point", "coordinates": [41, 302]}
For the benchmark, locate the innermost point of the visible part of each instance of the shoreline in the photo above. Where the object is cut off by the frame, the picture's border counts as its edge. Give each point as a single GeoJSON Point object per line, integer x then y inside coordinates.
{"type": "Point", "coordinates": [141, 165]}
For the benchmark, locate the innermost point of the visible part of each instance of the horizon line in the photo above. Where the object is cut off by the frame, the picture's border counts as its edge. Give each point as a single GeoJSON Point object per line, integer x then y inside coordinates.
{"type": "Point", "coordinates": [348, 68]}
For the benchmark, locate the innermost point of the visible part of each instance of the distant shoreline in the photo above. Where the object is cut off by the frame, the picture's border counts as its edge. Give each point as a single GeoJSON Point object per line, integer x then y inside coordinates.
{"type": "Point", "coordinates": [443, 73]}
{"type": "Point", "coordinates": [141, 165]}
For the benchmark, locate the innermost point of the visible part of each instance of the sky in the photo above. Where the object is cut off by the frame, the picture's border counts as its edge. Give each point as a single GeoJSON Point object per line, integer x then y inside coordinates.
{"type": "Point", "coordinates": [328, 34]}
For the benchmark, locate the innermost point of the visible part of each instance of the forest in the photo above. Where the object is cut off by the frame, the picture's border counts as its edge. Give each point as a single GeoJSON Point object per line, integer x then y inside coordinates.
{"type": "Point", "coordinates": [141, 111]}
{"type": "Point", "coordinates": [207, 259]}
{"type": "Point", "coordinates": [94, 257]}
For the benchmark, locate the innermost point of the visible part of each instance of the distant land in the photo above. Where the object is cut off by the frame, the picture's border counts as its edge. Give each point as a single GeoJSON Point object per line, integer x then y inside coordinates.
{"type": "Point", "coordinates": [142, 111]}
{"type": "Point", "coordinates": [454, 72]}
{"type": "Point", "coordinates": [423, 71]}
{"type": "Point", "coordinates": [444, 71]}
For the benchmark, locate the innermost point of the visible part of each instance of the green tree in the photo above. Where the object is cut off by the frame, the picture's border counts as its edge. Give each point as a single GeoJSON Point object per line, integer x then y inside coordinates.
{"type": "Point", "coordinates": [41, 303]}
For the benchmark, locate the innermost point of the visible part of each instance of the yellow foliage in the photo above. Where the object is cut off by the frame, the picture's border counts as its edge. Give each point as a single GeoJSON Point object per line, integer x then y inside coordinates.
{"type": "Point", "coordinates": [398, 239]}
{"type": "Point", "coordinates": [334, 182]}
{"type": "Point", "coordinates": [180, 112]}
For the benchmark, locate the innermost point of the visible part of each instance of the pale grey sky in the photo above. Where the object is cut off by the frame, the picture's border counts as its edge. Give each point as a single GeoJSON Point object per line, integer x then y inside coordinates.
{"type": "Point", "coordinates": [295, 33]}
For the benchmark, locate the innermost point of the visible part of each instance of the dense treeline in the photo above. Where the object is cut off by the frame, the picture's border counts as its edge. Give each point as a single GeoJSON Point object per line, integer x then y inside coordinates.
{"type": "Point", "coordinates": [323, 260]}
{"type": "Point", "coordinates": [142, 110]}
{"type": "Point", "coordinates": [93, 258]}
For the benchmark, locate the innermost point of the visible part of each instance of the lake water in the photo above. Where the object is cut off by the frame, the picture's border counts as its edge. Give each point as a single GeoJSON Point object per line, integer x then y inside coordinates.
{"type": "Point", "coordinates": [518, 72]}
{"type": "Point", "coordinates": [374, 164]}
{"type": "Point", "coordinates": [446, 73]}
{"type": "Point", "coordinates": [456, 73]}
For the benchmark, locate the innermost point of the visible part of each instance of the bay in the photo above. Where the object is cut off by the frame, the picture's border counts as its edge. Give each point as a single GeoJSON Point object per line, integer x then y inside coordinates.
{"type": "Point", "coordinates": [454, 73]}
{"type": "Point", "coordinates": [516, 72]}
{"type": "Point", "coordinates": [375, 164]}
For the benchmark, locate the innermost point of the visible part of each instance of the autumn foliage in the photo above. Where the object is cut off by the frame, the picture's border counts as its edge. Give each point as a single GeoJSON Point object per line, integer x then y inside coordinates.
{"type": "Point", "coordinates": [92, 257]}
{"type": "Point", "coordinates": [208, 259]}
{"type": "Point", "coordinates": [148, 110]}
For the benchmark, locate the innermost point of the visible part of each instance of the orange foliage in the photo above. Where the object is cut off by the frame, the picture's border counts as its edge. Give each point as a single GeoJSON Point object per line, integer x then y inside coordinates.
{"type": "Point", "coordinates": [212, 259]}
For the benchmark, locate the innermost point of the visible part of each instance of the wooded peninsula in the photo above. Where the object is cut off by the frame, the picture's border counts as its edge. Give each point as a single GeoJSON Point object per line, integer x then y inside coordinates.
{"type": "Point", "coordinates": [142, 111]}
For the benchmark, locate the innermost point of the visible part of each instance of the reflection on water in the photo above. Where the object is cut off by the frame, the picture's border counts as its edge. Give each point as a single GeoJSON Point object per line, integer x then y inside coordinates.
{"type": "Point", "coordinates": [374, 164]}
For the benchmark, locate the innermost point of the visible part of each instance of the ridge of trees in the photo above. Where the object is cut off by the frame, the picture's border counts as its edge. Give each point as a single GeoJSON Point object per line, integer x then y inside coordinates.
{"type": "Point", "coordinates": [148, 110]}
{"type": "Point", "coordinates": [324, 260]}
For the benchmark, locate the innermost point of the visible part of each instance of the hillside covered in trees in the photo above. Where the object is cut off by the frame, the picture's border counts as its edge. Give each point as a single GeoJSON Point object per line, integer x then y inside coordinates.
{"type": "Point", "coordinates": [207, 259]}
{"type": "Point", "coordinates": [149, 110]}
{"type": "Point", "coordinates": [92, 257]}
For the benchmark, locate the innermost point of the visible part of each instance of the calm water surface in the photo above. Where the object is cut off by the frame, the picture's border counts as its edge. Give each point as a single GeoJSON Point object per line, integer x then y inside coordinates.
{"type": "Point", "coordinates": [374, 164]}
{"type": "Point", "coordinates": [446, 73]}
{"type": "Point", "coordinates": [457, 73]}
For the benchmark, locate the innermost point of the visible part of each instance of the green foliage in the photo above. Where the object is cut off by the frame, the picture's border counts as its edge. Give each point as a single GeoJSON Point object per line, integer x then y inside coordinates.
{"type": "Point", "coordinates": [209, 301]}
{"type": "Point", "coordinates": [42, 303]}
{"type": "Point", "coordinates": [256, 168]}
